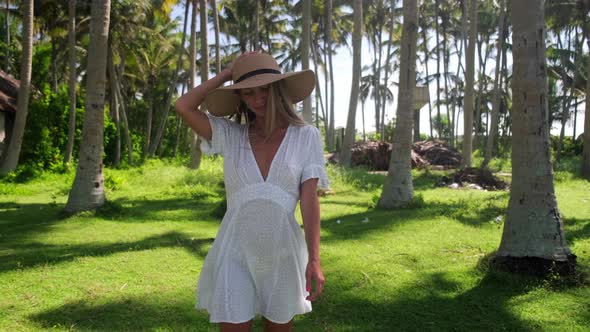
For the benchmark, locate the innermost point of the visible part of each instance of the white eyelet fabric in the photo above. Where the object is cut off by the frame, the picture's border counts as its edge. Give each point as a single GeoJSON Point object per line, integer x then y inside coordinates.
{"type": "Point", "coordinates": [257, 263]}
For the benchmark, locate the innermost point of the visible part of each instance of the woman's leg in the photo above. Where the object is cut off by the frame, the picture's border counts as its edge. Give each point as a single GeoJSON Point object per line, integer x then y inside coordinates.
{"type": "Point", "coordinates": [241, 327]}
{"type": "Point", "coordinates": [274, 327]}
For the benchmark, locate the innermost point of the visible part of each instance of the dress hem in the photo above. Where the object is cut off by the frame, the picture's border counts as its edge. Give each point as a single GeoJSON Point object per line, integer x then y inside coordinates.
{"type": "Point", "coordinates": [276, 321]}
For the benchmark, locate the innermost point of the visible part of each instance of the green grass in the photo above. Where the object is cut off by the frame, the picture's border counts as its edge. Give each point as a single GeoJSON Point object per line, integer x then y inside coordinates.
{"type": "Point", "coordinates": [133, 265]}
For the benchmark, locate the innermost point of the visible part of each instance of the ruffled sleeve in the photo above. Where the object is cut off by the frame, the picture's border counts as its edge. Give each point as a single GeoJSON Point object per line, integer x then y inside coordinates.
{"type": "Point", "coordinates": [314, 166]}
{"type": "Point", "coordinates": [222, 129]}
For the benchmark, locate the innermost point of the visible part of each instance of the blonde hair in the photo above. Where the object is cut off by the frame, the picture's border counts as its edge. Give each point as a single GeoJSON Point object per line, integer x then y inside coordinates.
{"type": "Point", "coordinates": [279, 107]}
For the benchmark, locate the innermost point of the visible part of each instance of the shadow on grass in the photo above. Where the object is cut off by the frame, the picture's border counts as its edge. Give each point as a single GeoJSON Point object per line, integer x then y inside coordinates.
{"type": "Point", "coordinates": [577, 229]}
{"type": "Point", "coordinates": [430, 304]}
{"type": "Point", "coordinates": [35, 254]}
{"type": "Point", "coordinates": [128, 314]}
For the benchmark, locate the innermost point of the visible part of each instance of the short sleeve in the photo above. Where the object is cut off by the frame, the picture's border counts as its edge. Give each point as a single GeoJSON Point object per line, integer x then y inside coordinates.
{"type": "Point", "coordinates": [314, 166]}
{"type": "Point", "coordinates": [221, 129]}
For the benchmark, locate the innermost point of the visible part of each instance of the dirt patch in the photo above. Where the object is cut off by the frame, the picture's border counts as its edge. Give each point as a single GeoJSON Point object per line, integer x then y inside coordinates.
{"type": "Point", "coordinates": [376, 155]}
{"type": "Point", "coordinates": [475, 178]}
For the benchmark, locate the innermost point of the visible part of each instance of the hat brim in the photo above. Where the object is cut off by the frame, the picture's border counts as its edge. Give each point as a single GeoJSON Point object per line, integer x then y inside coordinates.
{"type": "Point", "coordinates": [224, 100]}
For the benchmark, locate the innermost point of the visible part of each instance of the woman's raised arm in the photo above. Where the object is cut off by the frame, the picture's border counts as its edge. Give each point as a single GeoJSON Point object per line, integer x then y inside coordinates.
{"type": "Point", "coordinates": [187, 105]}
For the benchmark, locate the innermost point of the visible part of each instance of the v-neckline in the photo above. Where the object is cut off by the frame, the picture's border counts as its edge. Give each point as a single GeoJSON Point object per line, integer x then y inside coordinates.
{"type": "Point", "coordinates": [270, 167]}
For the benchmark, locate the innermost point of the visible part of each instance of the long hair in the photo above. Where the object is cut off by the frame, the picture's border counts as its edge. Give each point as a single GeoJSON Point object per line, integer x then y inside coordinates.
{"type": "Point", "coordinates": [279, 109]}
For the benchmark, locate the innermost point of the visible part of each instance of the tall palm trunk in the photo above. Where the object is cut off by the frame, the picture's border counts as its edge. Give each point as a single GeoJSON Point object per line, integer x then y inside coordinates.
{"type": "Point", "coordinates": [88, 188]}
{"type": "Point", "coordinates": [117, 86]}
{"type": "Point", "coordinates": [318, 91]}
{"type": "Point", "coordinates": [586, 151]}
{"type": "Point", "coordinates": [354, 89]}
{"type": "Point", "coordinates": [533, 239]}
{"type": "Point", "coordinates": [493, 130]}
{"type": "Point", "coordinates": [424, 37]}
{"type": "Point", "coordinates": [11, 156]}
{"type": "Point", "coordinates": [469, 85]}
{"type": "Point", "coordinates": [216, 27]}
{"type": "Point", "coordinates": [398, 188]}
{"type": "Point", "coordinates": [437, 28]}
{"type": "Point", "coordinates": [114, 106]}
{"type": "Point", "coordinates": [446, 56]}
{"type": "Point", "coordinates": [305, 45]}
{"type": "Point", "coordinates": [195, 149]}
{"type": "Point", "coordinates": [567, 99]}
{"type": "Point", "coordinates": [256, 40]}
{"type": "Point", "coordinates": [330, 133]}
{"type": "Point", "coordinates": [160, 133]}
{"type": "Point", "coordinates": [387, 65]}
{"type": "Point", "coordinates": [7, 29]}
{"type": "Point", "coordinates": [72, 79]}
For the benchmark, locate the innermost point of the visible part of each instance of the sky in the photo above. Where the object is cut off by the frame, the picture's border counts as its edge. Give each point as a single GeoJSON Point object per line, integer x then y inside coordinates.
{"type": "Point", "coordinates": [342, 68]}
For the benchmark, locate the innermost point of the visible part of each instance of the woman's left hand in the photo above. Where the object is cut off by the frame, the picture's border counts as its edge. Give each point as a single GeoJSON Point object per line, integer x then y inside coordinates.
{"type": "Point", "coordinates": [313, 273]}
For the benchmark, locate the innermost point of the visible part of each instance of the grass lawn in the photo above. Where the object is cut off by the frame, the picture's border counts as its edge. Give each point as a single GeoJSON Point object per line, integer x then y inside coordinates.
{"type": "Point", "coordinates": [133, 265]}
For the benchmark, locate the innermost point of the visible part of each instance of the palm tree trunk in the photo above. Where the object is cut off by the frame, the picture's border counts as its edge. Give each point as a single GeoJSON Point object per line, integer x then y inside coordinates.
{"type": "Point", "coordinates": [11, 156]}
{"type": "Point", "coordinates": [88, 188]}
{"type": "Point", "coordinates": [363, 117]}
{"type": "Point", "coordinates": [216, 27]}
{"type": "Point", "coordinates": [326, 81]}
{"type": "Point", "coordinates": [305, 45]}
{"type": "Point", "coordinates": [318, 92]}
{"type": "Point", "coordinates": [328, 22]}
{"type": "Point", "coordinates": [586, 151]}
{"type": "Point", "coordinates": [160, 133]}
{"type": "Point", "coordinates": [533, 239]}
{"type": "Point", "coordinates": [120, 99]}
{"type": "Point", "coordinates": [330, 133]}
{"type": "Point", "coordinates": [493, 127]}
{"type": "Point", "coordinates": [438, 119]}
{"type": "Point", "coordinates": [398, 188]}
{"type": "Point", "coordinates": [387, 63]}
{"type": "Point", "coordinates": [469, 85]}
{"type": "Point", "coordinates": [195, 149]}
{"type": "Point", "coordinates": [446, 80]}
{"type": "Point", "coordinates": [256, 41]}
{"type": "Point", "coordinates": [345, 156]}
{"type": "Point", "coordinates": [114, 107]}
{"type": "Point", "coordinates": [565, 114]}
{"type": "Point", "coordinates": [424, 37]}
{"type": "Point", "coordinates": [72, 79]}
{"type": "Point", "coordinates": [7, 29]}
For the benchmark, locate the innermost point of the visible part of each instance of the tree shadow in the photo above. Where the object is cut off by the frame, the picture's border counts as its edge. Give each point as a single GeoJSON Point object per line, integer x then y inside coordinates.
{"type": "Point", "coordinates": [30, 255]}
{"type": "Point", "coordinates": [577, 229]}
{"type": "Point", "coordinates": [128, 314]}
{"type": "Point", "coordinates": [431, 303]}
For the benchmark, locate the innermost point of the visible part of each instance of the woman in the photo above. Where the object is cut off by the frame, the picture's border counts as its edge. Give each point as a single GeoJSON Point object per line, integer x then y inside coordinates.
{"type": "Point", "coordinates": [260, 262]}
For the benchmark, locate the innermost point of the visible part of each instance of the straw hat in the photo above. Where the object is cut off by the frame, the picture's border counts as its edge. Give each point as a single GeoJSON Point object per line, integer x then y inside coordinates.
{"type": "Point", "coordinates": [255, 70]}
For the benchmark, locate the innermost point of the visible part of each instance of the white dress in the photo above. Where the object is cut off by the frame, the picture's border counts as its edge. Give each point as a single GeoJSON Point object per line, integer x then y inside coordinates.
{"type": "Point", "coordinates": [258, 259]}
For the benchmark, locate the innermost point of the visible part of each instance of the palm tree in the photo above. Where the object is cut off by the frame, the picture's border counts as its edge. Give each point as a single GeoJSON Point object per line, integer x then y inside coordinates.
{"type": "Point", "coordinates": [586, 152]}
{"type": "Point", "coordinates": [11, 156]}
{"type": "Point", "coordinates": [305, 48]}
{"type": "Point", "coordinates": [195, 149]}
{"type": "Point", "coordinates": [328, 41]}
{"type": "Point", "coordinates": [72, 81]}
{"type": "Point", "coordinates": [469, 85]}
{"type": "Point", "coordinates": [172, 89]}
{"type": "Point", "coordinates": [533, 238]}
{"type": "Point", "coordinates": [216, 28]}
{"type": "Point", "coordinates": [345, 156]}
{"type": "Point", "coordinates": [88, 188]}
{"type": "Point", "coordinates": [493, 130]}
{"type": "Point", "coordinates": [398, 189]}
